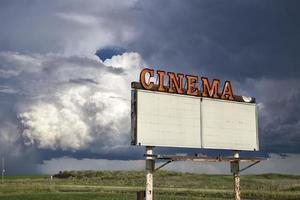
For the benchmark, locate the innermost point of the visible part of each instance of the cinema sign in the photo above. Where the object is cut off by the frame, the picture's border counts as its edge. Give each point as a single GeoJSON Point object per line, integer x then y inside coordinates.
{"type": "Point", "coordinates": [190, 111]}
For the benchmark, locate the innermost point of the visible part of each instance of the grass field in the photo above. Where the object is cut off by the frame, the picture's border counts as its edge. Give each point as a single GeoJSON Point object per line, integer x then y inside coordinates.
{"type": "Point", "coordinates": [168, 185]}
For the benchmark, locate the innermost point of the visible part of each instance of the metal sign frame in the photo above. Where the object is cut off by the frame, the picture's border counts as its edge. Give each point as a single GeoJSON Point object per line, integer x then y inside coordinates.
{"type": "Point", "coordinates": [190, 88]}
{"type": "Point", "coordinates": [249, 142]}
{"type": "Point", "coordinates": [234, 161]}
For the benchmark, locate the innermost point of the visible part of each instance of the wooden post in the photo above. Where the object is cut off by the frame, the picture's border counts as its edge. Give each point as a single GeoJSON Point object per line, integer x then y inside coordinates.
{"type": "Point", "coordinates": [236, 175]}
{"type": "Point", "coordinates": [237, 192]}
{"type": "Point", "coordinates": [140, 195]}
{"type": "Point", "coordinates": [150, 162]}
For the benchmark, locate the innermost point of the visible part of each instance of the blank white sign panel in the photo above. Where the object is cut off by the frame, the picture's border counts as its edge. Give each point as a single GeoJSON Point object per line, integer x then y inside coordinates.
{"type": "Point", "coordinates": [165, 119]}
{"type": "Point", "coordinates": [229, 125]}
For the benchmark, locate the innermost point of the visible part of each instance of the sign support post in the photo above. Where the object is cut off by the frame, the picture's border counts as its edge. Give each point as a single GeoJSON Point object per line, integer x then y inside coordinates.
{"type": "Point", "coordinates": [150, 162]}
{"type": "Point", "coordinates": [215, 127]}
{"type": "Point", "coordinates": [236, 175]}
{"type": "Point", "coordinates": [2, 171]}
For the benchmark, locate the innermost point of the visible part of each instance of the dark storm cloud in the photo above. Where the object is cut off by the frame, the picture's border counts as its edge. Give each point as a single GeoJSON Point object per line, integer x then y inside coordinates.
{"type": "Point", "coordinates": [279, 115]}
{"type": "Point", "coordinates": [255, 44]}
{"type": "Point", "coordinates": [66, 27]}
{"type": "Point", "coordinates": [83, 81]}
{"type": "Point", "coordinates": [47, 46]}
{"type": "Point", "coordinates": [232, 39]}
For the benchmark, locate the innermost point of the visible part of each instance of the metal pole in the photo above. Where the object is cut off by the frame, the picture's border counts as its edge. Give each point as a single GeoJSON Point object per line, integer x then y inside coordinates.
{"type": "Point", "coordinates": [150, 162]}
{"type": "Point", "coordinates": [3, 170]}
{"type": "Point", "coordinates": [236, 174]}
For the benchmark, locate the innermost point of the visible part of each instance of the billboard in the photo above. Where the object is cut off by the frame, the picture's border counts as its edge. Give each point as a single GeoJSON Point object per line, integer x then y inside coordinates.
{"type": "Point", "coordinates": [174, 119]}
{"type": "Point", "coordinates": [167, 120]}
{"type": "Point", "coordinates": [229, 125]}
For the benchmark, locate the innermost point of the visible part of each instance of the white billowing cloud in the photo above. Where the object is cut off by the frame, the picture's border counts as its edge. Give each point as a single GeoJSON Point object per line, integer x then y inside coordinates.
{"type": "Point", "coordinates": [54, 128]}
{"type": "Point", "coordinates": [13, 63]}
{"type": "Point", "coordinates": [75, 103]}
{"type": "Point", "coordinates": [87, 20]}
{"type": "Point", "coordinates": [125, 61]}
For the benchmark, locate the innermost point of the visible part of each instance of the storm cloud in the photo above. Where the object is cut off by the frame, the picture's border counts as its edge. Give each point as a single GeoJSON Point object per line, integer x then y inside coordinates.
{"type": "Point", "coordinates": [58, 98]}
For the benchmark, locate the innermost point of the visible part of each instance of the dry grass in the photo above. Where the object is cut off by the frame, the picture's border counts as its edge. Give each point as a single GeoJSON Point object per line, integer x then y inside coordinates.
{"type": "Point", "coordinates": [168, 185]}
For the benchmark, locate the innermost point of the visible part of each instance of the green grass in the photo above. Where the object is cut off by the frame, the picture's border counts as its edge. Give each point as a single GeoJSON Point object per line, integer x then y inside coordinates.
{"type": "Point", "coordinates": [68, 196]}
{"type": "Point", "coordinates": [167, 185]}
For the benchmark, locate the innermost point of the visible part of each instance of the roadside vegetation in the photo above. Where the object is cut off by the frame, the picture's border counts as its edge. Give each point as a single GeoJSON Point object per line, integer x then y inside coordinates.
{"type": "Point", "coordinates": [108, 185]}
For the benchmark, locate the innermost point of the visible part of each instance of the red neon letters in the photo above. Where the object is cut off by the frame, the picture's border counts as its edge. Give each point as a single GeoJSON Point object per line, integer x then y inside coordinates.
{"type": "Point", "coordinates": [177, 82]}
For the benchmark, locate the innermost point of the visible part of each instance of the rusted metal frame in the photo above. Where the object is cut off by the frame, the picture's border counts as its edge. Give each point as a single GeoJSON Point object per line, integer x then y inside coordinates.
{"type": "Point", "coordinates": [171, 158]}
{"type": "Point", "coordinates": [168, 162]}
{"type": "Point", "coordinates": [234, 159]}
{"type": "Point", "coordinates": [250, 166]}
{"type": "Point", "coordinates": [208, 159]}
{"type": "Point", "coordinates": [153, 156]}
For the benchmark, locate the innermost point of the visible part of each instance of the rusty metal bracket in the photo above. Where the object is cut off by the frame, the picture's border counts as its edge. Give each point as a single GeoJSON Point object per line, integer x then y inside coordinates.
{"type": "Point", "coordinates": [150, 155]}
{"type": "Point", "coordinates": [168, 162]}
{"type": "Point", "coordinates": [249, 166]}
{"type": "Point", "coordinates": [172, 158]}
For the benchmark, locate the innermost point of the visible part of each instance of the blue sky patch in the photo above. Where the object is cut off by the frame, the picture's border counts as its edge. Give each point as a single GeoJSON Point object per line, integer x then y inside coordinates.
{"type": "Point", "coordinates": [109, 52]}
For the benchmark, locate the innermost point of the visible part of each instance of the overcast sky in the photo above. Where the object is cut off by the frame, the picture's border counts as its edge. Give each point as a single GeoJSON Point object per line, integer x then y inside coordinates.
{"type": "Point", "coordinates": [66, 68]}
